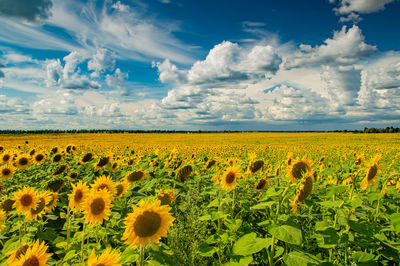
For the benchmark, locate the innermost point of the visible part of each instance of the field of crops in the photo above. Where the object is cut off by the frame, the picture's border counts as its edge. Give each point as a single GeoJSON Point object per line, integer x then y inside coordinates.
{"type": "Point", "coordinates": [200, 199]}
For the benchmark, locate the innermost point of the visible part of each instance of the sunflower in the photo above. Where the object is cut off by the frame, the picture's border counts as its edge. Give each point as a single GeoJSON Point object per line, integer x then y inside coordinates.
{"type": "Point", "coordinates": [289, 158]}
{"type": "Point", "coordinates": [104, 182]}
{"type": "Point", "coordinates": [22, 161]}
{"type": "Point", "coordinates": [39, 157]}
{"type": "Point", "coordinates": [55, 185]}
{"type": "Point", "coordinates": [78, 196]}
{"type": "Point", "coordinates": [52, 203]}
{"type": "Point", "coordinates": [32, 152]}
{"type": "Point", "coordinates": [25, 200]}
{"type": "Point", "coordinates": [6, 157]}
{"type": "Point", "coordinates": [86, 158]}
{"type": "Point", "coordinates": [184, 173]}
{"type": "Point", "coordinates": [120, 189]}
{"type": "Point", "coordinates": [166, 197]}
{"type": "Point", "coordinates": [34, 255]}
{"type": "Point", "coordinates": [6, 172]}
{"type": "Point", "coordinates": [253, 167]}
{"type": "Point", "coordinates": [43, 199]}
{"type": "Point", "coordinates": [360, 159]}
{"type": "Point", "coordinates": [55, 150]}
{"type": "Point", "coordinates": [262, 184]}
{"type": "Point", "coordinates": [298, 168]}
{"type": "Point", "coordinates": [229, 178]}
{"type": "Point", "coordinates": [148, 222]}
{"type": "Point", "coordinates": [371, 172]}
{"type": "Point", "coordinates": [70, 149]}
{"type": "Point", "coordinates": [103, 162]}
{"type": "Point", "coordinates": [17, 253]}
{"type": "Point", "coordinates": [73, 175]}
{"type": "Point", "coordinates": [97, 206]}
{"type": "Point", "coordinates": [115, 165]}
{"type": "Point", "coordinates": [210, 164]}
{"type": "Point", "coordinates": [135, 176]}
{"type": "Point", "coordinates": [3, 216]}
{"type": "Point", "coordinates": [304, 191]}
{"type": "Point", "coordinates": [57, 158]}
{"type": "Point", "coordinates": [7, 205]}
{"type": "Point", "coordinates": [108, 258]}
{"type": "Point", "coordinates": [61, 169]}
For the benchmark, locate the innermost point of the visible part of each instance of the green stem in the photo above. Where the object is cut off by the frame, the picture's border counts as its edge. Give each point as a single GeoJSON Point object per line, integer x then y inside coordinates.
{"type": "Point", "coordinates": [82, 242]}
{"type": "Point", "coordinates": [219, 224]}
{"type": "Point", "coordinates": [141, 255]}
{"type": "Point", "coordinates": [233, 202]}
{"type": "Point", "coordinates": [68, 228]}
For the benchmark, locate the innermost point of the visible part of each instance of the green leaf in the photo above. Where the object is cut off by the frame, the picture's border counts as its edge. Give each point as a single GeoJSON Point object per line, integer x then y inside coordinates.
{"type": "Point", "coordinates": [287, 233]}
{"type": "Point", "coordinates": [328, 238]}
{"type": "Point", "coordinates": [239, 261]}
{"type": "Point", "coordinates": [362, 227]}
{"type": "Point", "coordinates": [373, 196]}
{"type": "Point", "coordinates": [69, 255]}
{"type": "Point", "coordinates": [205, 250]}
{"type": "Point", "coordinates": [213, 203]}
{"type": "Point", "coordinates": [395, 220]}
{"type": "Point", "coordinates": [129, 256]}
{"type": "Point", "coordinates": [250, 244]}
{"type": "Point", "coordinates": [263, 205]}
{"type": "Point", "coordinates": [295, 258]}
{"type": "Point", "coordinates": [206, 217]}
{"type": "Point", "coordinates": [321, 226]}
{"type": "Point", "coordinates": [334, 204]}
{"type": "Point", "coordinates": [360, 256]}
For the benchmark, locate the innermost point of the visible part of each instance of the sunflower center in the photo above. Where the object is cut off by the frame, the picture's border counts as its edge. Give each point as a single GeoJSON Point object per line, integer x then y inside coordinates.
{"type": "Point", "coordinates": [39, 207]}
{"type": "Point", "coordinates": [119, 189]}
{"type": "Point", "coordinates": [6, 171]}
{"type": "Point", "coordinates": [23, 161]}
{"type": "Point", "coordinates": [135, 176]}
{"type": "Point", "coordinates": [87, 157]}
{"type": "Point", "coordinates": [39, 157]}
{"type": "Point", "coordinates": [100, 264]}
{"type": "Point", "coordinates": [298, 170]}
{"type": "Point", "coordinates": [147, 224]}
{"type": "Point", "coordinates": [372, 171]}
{"type": "Point", "coordinates": [53, 199]}
{"type": "Point", "coordinates": [7, 205]}
{"type": "Point", "coordinates": [256, 166]}
{"type": "Point", "coordinates": [60, 170]}
{"type": "Point", "coordinates": [78, 196]}
{"type": "Point", "coordinates": [32, 261]}
{"type": "Point", "coordinates": [165, 199]}
{"type": "Point", "coordinates": [103, 161]}
{"type": "Point", "coordinates": [73, 175]}
{"type": "Point", "coordinates": [230, 178]}
{"type": "Point", "coordinates": [57, 158]}
{"type": "Point", "coordinates": [97, 206]}
{"type": "Point", "coordinates": [261, 184]}
{"type": "Point", "coordinates": [6, 157]}
{"type": "Point", "coordinates": [26, 200]}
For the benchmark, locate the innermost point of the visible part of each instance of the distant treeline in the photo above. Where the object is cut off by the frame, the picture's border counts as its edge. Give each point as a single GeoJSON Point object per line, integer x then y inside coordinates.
{"type": "Point", "coordinates": [75, 131]}
{"type": "Point", "coordinates": [373, 130]}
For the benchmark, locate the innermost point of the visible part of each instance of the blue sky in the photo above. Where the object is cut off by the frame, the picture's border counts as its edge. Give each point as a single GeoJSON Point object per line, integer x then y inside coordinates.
{"type": "Point", "coordinates": [190, 65]}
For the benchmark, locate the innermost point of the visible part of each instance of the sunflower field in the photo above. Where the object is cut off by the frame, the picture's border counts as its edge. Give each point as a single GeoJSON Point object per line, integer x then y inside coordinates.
{"type": "Point", "coordinates": [200, 199]}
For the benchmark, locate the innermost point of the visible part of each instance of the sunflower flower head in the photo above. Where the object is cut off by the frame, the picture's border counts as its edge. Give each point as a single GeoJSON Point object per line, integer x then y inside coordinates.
{"type": "Point", "coordinates": [6, 171]}
{"type": "Point", "coordinates": [371, 172]}
{"type": "Point", "coordinates": [97, 206]}
{"type": "Point", "coordinates": [229, 178]}
{"type": "Point", "coordinates": [147, 223]}
{"type": "Point", "coordinates": [22, 161]}
{"type": "Point", "coordinates": [104, 182]}
{"type": "Point", "coordinates": [25, 200]}
{"type": "Point", "coordinates": [166, 197]}
{"type": "Point", "coordinates": [303, 192]}
{"type": "Point", "coordinates": [298, 168]}
{"type": "Point", "coordinates": [78, 196]}
{"type": "Point", "coordinates": [34, 255]}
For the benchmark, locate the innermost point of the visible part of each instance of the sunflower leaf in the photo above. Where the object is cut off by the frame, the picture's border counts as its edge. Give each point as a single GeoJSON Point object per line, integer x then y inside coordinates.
{"type": "Point", "coordinates": [250, 244]}
{"type": "Point", "coordinates": [287, 233]}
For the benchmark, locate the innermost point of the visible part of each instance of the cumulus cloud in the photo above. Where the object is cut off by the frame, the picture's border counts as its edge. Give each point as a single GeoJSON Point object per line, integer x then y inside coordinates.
{"type": "Point", "coordinates": [361, 6]}
{"type": "Point", "coordinates": [380, 83]}
{"type": "Point", "coordinates": [345, 48]}
{"type": "Point", "coordinates": [28, 10]}
{"type": "Point", "coordinates": [117, 81]}
{"type": "Point", "coordinates": [103, 59]}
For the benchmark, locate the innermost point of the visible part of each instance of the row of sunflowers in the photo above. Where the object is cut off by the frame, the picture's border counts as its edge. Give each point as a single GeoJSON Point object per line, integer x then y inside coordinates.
{"type": "Point", "coordinates": [73, 205]}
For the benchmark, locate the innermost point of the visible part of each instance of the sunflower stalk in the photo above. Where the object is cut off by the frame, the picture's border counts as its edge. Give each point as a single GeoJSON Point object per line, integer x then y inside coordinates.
{"type": "Point", "coordinates": [82, 242]}
{"type": "Point", "coordinates": [141, 255]}
{"type": "Point", "coordinates": [68, 228]}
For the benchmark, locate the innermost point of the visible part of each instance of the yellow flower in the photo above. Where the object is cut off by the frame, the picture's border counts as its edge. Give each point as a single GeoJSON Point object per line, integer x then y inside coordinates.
{"type": "Point", "coordinates": [166, 197]}
{"type": "Point", "coordinates": [262, 184]}
{"type": "Point", "coordinates": [78, 196]}
{"type": "Point", "coordinates": [40, 209]}
{"type": "Point", "coordinates": [25, 200]}
{"type": "Point", "coordinates": [34, 255]}
{"type": "Point", "coordinates": [184, 173]}
{"type": "Point", "coordinates": [135, 176]}
{"type": "Point", "coordinates": [298, 168]}
{"type": "Point", "coordinates": [6, 157]}
{"type": "Point", "coordinates": [22, 162]}
{"type": "Point", "coordinates": [7, 205]}
{"type": "Point", "coordinates": [371, 172]}
{"type": "Point", "coordinates": [17, 253]}
{"type": "Point", "coordinates": [53, 199]}
{"type": "Point", "coordinates": [97, 206]}
{"type": "Point", "coordinates": [102, 162]}
{"type": "Point", "coordinates": [229, 178]}
{"type": "Point", "coordinates": [6, 172]}
{"type": "Point", "coordinates": [104, 182]}
{"type": "Point", "coordinates": [86, 158]}
{"type": "Point", "coordinates": [108, 258]}
{"type": "Point", "coordinates": [57, 158]}
{"type": "Point", "coordinates": [61, 169]}
{"type": "Point", "coordinates": [147, 223]}
{"type": "Point", "coordinates": [39, 157]}
{"type": "Point", "coordinates": [120, 189]}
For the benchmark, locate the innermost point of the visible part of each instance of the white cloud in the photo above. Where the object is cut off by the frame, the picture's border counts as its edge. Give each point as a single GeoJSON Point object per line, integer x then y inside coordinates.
{"type": "Point", "coordinates": [345, 48]}
{"type": "Point", "coordinates": [361, 6]}
{"type": "Point", "coordinates": [169, 73]}
{"type": "Point", "coordinates": [117, 81]}
{"type": "Point", "coordinates": [72, 60]}
{"type": "Point", "coordinates": [103, 60]}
